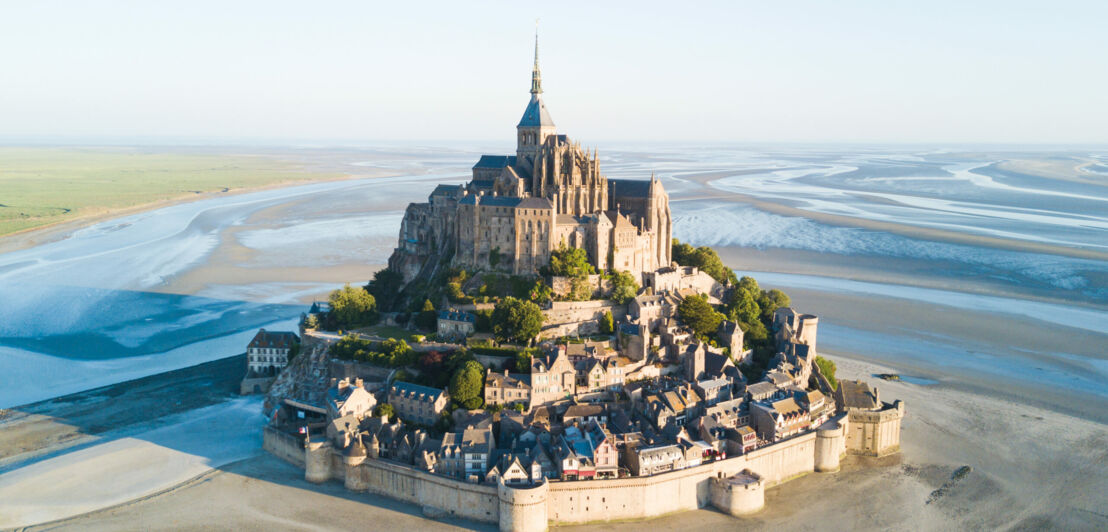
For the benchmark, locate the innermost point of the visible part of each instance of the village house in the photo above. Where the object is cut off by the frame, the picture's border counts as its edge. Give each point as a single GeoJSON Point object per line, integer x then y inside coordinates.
{"type": "Point", "coordinates": [741, 440]}
{"type": "Point", "coordinates": [553, 378]}
{"type": "Point", "coordinates": [584, 414]}
{"type": "Point", "coordinates": [456, 324]}
{"type": "Point", "coordinates": [779, 419]}
{"type": "Point", "coordinates": [507, 388]}
{"type": "Point", "coordinates": [416, 403]}
{"type": "Point", "coordinates": [346, 398]}
{"type": "Point", "coordinates": [516, 469]}
{"type": "Point", "coordinates": [652, 460]}
{"type": "Point", "coordinates": [269, 352]}
{"type": "Point", "coordinates": [465, 454]}
{"type": "Point", "coordinates": [729, 414]}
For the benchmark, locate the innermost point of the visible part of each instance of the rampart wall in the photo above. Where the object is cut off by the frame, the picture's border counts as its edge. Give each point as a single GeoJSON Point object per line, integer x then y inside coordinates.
{"type": "Point", "coordinates": [567, 318]}
{"type": "Point", "coordinates": [559, 503]}
{"type": "Point", "coordinates": [284, 446]}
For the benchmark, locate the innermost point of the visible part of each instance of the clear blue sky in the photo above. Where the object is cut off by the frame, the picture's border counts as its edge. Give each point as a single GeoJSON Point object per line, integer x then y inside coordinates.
{"type": "Point", "coordinates": [880, 71]}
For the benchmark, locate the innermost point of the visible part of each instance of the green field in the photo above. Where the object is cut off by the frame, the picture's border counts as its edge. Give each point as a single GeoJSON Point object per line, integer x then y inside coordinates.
{"type": "Point", "coordinates": [41, 186]}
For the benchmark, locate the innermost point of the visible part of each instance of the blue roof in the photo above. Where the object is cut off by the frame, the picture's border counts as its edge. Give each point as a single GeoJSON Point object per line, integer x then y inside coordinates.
{"type": "Point", "coordinates": [495, 161]}
{"type": "Point", "coordinates": [535, 114]}
{"type": "Point", "coordinates": [412, 388]}
{"type": "Point", "coordinates": [639, 188]}
{"type": "Point", "coordinates": [494, 201]}
{"type": "Point", "coordinates": [629, 329]}
{"type": "Point", "coordinates": [446, 190]}
{"type": "Point", "coordinates": [457, 315]}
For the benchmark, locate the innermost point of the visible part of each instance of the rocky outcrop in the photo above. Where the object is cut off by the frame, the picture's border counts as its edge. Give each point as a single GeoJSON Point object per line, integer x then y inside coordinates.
{"type": "Point", "coordinates": [306, 377]}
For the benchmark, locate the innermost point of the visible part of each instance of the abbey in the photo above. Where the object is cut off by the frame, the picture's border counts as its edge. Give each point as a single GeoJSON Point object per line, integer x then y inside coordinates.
{"type": "Point", "coordinates": [518, 208]}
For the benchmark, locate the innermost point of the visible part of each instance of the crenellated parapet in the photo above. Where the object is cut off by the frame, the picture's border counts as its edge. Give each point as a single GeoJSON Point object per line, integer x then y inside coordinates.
{"type": "Point", "coordinates": [875, 432]}
{"type": "Point", "coordinates": [740, 494]}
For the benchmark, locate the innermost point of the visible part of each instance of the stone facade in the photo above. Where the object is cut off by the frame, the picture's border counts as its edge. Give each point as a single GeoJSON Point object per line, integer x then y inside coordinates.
{"type": "Point", "coordinates": [268, 352]}
{"type": "Point", "coordinates": [516, 210]}
{"type": "Point", "coordinates": [419, 404]}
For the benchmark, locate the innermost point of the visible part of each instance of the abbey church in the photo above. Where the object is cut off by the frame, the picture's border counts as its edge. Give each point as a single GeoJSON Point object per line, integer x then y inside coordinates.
{"type": "Point", "coordinates": [519, 208]}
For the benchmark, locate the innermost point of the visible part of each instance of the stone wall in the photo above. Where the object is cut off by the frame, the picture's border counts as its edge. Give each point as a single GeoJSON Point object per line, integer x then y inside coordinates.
{"type": "Point", "coordinates": [875, 433]}
{"type": "Point", "coordinates": [735, 483]}
{"type": "Point", "coordinates": [253, 385]}
{"type": "Point", "coordinates": [568, 318]}
{"type": "Point", "coordinates": [686, 489]}
{"type": "Point", "coordinates": [284, 446]}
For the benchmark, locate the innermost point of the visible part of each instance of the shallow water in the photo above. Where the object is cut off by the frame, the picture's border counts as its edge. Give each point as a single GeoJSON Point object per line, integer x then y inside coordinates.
{"type": "Point", "coordinates": [100, 306]}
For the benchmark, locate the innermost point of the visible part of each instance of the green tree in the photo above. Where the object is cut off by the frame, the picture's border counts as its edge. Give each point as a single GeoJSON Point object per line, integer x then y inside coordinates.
{"type": "Point", "coordinates": [624, 287]}
{"type": "Point", "coordinates": [385, 287]}
{"type": "Point", "coordinates": [569, 262]}
{"type": "Point", "coordinates": [744, 308]}
{"type": "Point", "coordinates": [522, 362]}
{"type": "Point", "coordinates": [467, 383]}
{"type": "Point", "coordinates": [607, 323]}
{"type": "Point", "coordinates": [494, 257]}
{"type": "Point", "coordinates": [311, 321]}
{"type": "Point", "coordinates": [352, 307]}
{"type": "Point", "coordinates": [483, 321]}
{"type": "Point", "coordinates": [827, 369]}
{"type": "Point", "coordinates": [704, 258]}
{"type": "Point", "coordinates": [384, 409]}
{"type": "Point", "coordinates": [695, 312]}
{"type": "Point", "coordinates": [516, 320]}
{"type": "Point", "coordinates": [427, 317]}
{"type": "Point", "coordinates": [398, 353]}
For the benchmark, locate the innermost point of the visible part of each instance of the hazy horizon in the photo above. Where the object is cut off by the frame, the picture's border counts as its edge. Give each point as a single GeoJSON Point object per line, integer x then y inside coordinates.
{"type": "Point", "coordinates": [277, 74]}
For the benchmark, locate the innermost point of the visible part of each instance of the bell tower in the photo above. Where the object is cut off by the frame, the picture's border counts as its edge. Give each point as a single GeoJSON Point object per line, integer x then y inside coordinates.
{"type": "Point", "coordinates": [536, 123]}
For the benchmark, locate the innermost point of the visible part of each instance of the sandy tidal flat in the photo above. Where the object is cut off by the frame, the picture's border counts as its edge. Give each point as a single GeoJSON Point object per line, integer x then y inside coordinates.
{"type": "Point", "coordinates": [115, 471]}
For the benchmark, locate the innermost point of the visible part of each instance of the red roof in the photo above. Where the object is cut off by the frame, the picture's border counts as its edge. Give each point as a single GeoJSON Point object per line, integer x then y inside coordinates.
{"type": "Point", "coordinates": [274, 339]}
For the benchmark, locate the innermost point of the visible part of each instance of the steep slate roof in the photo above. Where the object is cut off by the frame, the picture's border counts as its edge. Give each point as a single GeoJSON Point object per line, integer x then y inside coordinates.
{"type": "Point", "coordinates": [445, 190]}
{"type": "Point", "coordinates": [492, 201]}
{"type": "Point", "coordinates": [536, 114]}
{"type": "Point", "coordinates": [482, 183]}
{"type": "Point", "coordinates": [275, 339]}
{"type": "Point", "coordinates": [457, 315]}
{"type": "Point", "coordinates": [495, 161]}
{"type": "Point", "coordinates": [629, 187]}
{"type": "Point", "coordinates": [857, 394]}
{"type": "Point", "coordinates": [761, 388]}
{"type": "Point", "coordinates": [535, 203]}
{"type": "Point", "coordinates": [410, 389]}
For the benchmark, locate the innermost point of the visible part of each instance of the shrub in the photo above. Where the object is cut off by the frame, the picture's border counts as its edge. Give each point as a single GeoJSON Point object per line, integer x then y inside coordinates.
{"type": "Point", "coordinates": [827, 369]}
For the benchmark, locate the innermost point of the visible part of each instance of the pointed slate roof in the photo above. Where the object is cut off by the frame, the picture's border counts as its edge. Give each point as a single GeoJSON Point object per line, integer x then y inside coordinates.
{"type": "Point", "coordinates": [536, 114]}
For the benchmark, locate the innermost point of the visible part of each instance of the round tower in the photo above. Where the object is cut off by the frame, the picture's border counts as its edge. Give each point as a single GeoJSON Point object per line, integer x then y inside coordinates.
{"type": "Point", "coordinates": [373, 450]}
{"type": "Point", "coordinates": [317, 459]}
{"type": "Point", "coordinates": [807, 328]}
{"type": "Point", "coordinates": [352, 458]}
{"type": "Point", "coordinates": [740, 494]}
{"type": "Point", "coordinates": [829, 441]}
{"type": "Point", "coordinates": [522, 509]}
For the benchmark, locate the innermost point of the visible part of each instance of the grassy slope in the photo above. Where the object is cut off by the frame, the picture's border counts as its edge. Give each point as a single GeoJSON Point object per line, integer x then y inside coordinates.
{"type": "Point", "coordinates": [41, 186]}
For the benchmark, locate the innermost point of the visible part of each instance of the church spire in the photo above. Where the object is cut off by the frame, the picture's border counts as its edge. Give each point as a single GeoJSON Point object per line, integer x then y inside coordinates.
{"type": "Point", "coordinates": [536, 76]}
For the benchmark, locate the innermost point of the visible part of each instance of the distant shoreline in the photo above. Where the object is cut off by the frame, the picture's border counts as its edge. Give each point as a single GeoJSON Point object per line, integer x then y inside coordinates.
{"type": "Point", "coordinates": [55, 231]}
